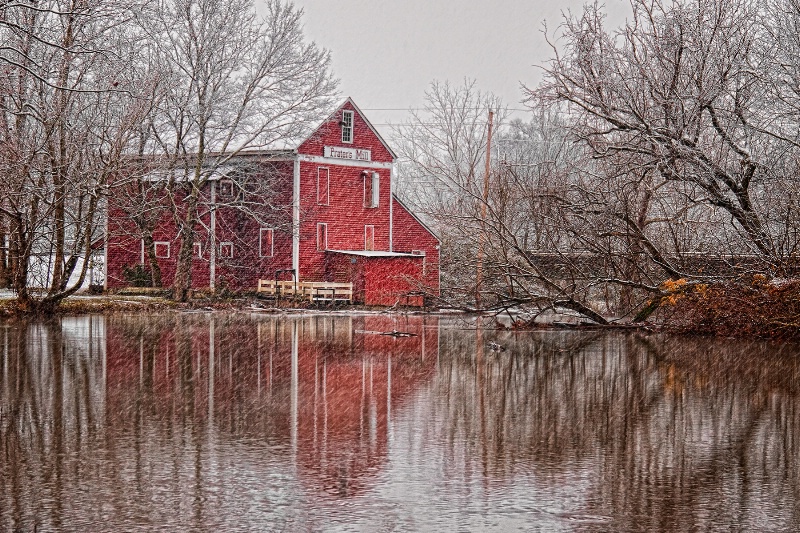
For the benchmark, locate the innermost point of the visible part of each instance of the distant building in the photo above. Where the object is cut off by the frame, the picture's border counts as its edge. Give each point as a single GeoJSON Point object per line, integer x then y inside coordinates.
{"type": "Point", "coordinates": [329, 214]}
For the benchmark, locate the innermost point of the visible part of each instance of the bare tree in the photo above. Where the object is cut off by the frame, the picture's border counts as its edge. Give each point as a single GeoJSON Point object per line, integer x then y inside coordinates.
{"type": "Point", "coordinates": [676, 91]}
{"type": "Point", "coordinates": [443, 151]}
{"type": "Point", "coordinates": [233, 82]}
{"type": "Point", "coordinates": [66, 117]}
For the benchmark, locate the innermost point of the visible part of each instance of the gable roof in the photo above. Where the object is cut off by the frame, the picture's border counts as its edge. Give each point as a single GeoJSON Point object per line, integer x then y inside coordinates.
{"type": "Point", "coordinates": [415, 217]}
{"type": "Point", "coordinates": [350, 101]}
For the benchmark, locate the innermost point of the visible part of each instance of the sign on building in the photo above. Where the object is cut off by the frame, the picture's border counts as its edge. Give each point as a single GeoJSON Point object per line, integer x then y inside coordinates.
{"type": "Point", "coordinates": [354, 154]}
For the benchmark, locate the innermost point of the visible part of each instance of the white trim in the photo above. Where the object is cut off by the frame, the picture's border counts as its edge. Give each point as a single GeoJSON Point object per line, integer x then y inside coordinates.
{"type": "Point", "coordinates": [370, 126]}
{"type": "Point", "coordinates": [352, 115]}
{"type": "Point", "coordinates": [415, 217]}
{"type": "Point", "coordinates": [141, 260]}
{"type": "Point", "coordinates": [327, 186]}
{"type": "Point", "coordinates": [421, 253]}
{"type": "Point", "coordinates": [376, 189]}
{"type": "Point", "coordinates": [105, 251]}
{"type": "Point", "coordinates": [296, 219]}
{"type": "Point", "coordinates": [391, 208]}
{"type": "Point", "coordinates": [366, 226]}
{"type": "Point", "coordinates": [226, 188]}
{"type": "Point", "coordinates": [223, 245]}
{"type": "Point", "coordinates": [318, 159]}
{"type": "Point", "coordinates": [373, 253]}
{"type": "Point", "coordinates": [261, 242]}
{"type": "Point", "coordinates": [371, 200]}
{"type": "Point", "coordinates": [156, 244]}
{"type": "Point", "coordinates": [334, 116]}
{"type": "Point", "coordinates": [212, 267]}
{"type": "Point", "coordinates": [325, 244]}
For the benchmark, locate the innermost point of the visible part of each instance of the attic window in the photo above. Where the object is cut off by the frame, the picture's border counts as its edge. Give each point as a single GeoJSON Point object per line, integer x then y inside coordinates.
{"type": "Point", "coordinates": [347, 126]}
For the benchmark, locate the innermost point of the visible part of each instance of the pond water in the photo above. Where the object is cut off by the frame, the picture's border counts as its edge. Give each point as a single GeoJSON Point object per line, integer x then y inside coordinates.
{"type": "Point", "coordinates": [239, 422]}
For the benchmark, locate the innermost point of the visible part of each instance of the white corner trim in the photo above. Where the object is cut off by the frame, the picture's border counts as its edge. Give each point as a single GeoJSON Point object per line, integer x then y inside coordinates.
{"type": "Point", "coordinates": [392, 175]}
{"type": "Point", "coordinates": [296, 219]}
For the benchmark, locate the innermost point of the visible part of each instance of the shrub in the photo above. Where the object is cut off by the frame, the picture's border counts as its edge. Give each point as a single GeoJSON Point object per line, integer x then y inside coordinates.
{"type": "Point", "coordinates": [137, 276]}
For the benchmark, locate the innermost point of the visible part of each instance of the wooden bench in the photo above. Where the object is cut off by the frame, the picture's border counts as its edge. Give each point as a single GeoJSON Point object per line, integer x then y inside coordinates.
{"type": "Point", "coordinates": [323, 291]}
{"type": "Point", "coordinates": [272, 288]}
{"type": "Point", "coordinates": [315, 291]}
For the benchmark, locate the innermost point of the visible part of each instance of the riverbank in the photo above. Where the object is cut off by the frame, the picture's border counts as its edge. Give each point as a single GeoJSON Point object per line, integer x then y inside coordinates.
{"type": "Point", "coordinates": [148, 302]}
{"type": "Point", "coordinates": [759, 308]}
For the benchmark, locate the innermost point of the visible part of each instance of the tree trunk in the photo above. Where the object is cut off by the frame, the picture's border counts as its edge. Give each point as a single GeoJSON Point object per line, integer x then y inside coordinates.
{"type": "Point", "coordinates": [183, 270]}
{"type": "Point", "coordinates": [152, 260]}
{"type": "Point", "coordinates": [5, 278]}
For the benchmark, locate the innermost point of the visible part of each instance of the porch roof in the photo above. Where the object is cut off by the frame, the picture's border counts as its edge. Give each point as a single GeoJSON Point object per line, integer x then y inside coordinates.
{"type": "Point", "coordinates": [374, 253]}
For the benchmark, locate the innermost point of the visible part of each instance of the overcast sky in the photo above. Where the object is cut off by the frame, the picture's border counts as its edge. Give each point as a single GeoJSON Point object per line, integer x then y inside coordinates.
{"type": "Point", "coordinates": [386, 53]}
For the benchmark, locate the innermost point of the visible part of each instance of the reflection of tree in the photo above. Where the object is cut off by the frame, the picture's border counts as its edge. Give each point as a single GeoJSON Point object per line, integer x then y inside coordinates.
{"type": "Point", "coordinates": [675, 434]}
{"type": "Point", "coordinates": [198, 412]}
{"type": "Point", "coordinates": [49, 416]}
{"type": "Point", "coordinates": [186, 409]}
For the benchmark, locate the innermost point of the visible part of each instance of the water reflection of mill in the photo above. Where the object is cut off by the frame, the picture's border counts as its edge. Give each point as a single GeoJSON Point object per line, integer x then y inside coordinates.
{"type": "Point", "coordinates": [669, 433]}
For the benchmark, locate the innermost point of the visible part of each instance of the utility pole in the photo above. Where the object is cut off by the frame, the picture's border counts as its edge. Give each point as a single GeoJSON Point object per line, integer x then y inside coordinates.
{"type": "Point", "coordinates": [484, 204]}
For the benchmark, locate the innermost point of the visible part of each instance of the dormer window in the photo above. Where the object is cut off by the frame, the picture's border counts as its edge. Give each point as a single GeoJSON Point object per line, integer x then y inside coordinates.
{"type": "Point", "coordinates": [347, 127]}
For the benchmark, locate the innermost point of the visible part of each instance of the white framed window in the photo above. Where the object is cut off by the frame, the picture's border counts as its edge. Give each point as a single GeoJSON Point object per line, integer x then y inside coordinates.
{"type": "Point", "coordinates": [226, 189]}
{"type": "Point", "coordinates": [424, 260]}
{"type": "Point", "coordinates": [265, 242]}
{"type": "Point", "coordinates": [369, 237]}
{"type": "Point", "coordinates": [162, 249]}
{"type": "Point", "coordinates": [372, 184]}
{"type": "Point", "coordinates": [226, 250]}
{"type": "Point", "coordinates": [197, 250]}
{"type": "Point", "coordinates": [347, 127]}
{"type": "Point", "coordinates": [322, 236]}
{"type": "Point", "coordinates": [323, 186]}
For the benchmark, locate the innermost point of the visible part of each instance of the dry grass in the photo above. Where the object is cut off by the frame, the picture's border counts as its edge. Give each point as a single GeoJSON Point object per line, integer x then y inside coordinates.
{"type": "Point", "coordinates": [760, 308]}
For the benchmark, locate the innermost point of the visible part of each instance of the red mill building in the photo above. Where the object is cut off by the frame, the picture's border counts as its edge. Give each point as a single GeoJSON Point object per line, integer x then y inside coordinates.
{"type": "Point", "coordinates": [329, 215]}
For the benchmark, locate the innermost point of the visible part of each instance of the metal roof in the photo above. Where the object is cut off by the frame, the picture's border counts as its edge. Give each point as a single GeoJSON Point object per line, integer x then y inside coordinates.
{"type": "Point", "coordinates": [374, 253]}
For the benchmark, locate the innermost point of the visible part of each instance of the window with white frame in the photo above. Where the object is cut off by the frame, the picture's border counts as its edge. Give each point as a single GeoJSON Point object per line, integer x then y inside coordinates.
{"type": "Point", "coordinates": [372, 184]}
{"type": "Point", "coordinates": [226, 190]}
{"type": "Point", "coordinates": [323, 186]}
{"type": "Point", "coordinates": [226, 250]}
{"type": "Point", "coordinates": [162, 249]}
{"type": "Point", "coordinates": [347, 127]}
{"type": "Point", "coordinates": [369, 238]}
{"type": "Point", "coordinates": [197, 250]}
{"type": "Point", "coordinates": [424, 260]}
{"type": "Point", "coordinates": [322, 236]}
{"type": "Point", "coordinates": [265, 242]}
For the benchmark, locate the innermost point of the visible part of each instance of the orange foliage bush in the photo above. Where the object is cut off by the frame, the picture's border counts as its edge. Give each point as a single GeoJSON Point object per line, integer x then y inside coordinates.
{"type": "Point", "coordinates": [759, 308]}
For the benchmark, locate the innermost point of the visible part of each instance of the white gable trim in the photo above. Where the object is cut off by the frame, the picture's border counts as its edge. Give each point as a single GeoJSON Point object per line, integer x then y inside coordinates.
{"type": "Point", "coordinates": [371, 127]}
{"type": "Point", "coordinates": [415, 217]}
{"type": "Point", "coordinates": [363, 117]}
